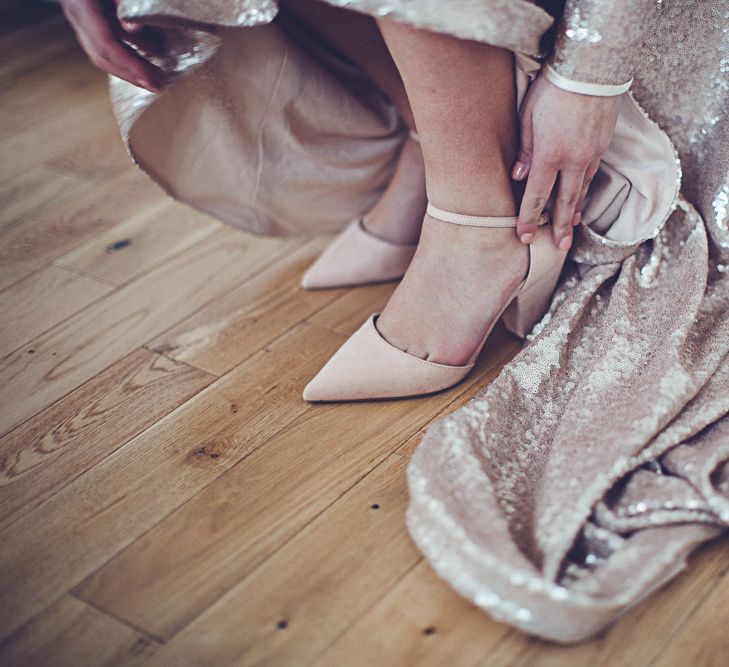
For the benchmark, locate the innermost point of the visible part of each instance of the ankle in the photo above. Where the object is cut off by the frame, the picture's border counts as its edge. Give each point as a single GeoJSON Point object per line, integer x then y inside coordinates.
{"type": "Point", "coordinates": [398, 215]}
{"type": "Point", "coordinates": [490, 195]}
{"type": "Point", "coordinates": [468, 242]}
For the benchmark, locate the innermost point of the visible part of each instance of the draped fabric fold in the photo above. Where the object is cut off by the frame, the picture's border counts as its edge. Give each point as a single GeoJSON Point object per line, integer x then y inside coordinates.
{"type": "Point", "coordinates": [580, 479]}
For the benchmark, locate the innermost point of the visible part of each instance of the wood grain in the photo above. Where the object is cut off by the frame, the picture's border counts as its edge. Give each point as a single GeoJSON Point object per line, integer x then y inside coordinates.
{"type": "Point", "coordinates": [82, 346]}
{"type": "Point", "coordinates": [420, 621]}
{"type": "Point", "coordinates": [258, 505]}
{"type": "Point", "coordinates": [33, 45]}
{"type": "Point", "coordinates": [45, 299]}
{"type": "Point", "coordinates": [25, 99]}
{"type": "Point", "coordinates": [312, 588]}
{"type": "Point", "coordinates": [140, 243]}
{"type": "Point", "coordinates": [135, 487]}
{"type": "Point", "coordinates": [699, 599]}
{"type": "Point", "coordinates": [33, 192]}
{"type": "Point", "coordinates": [40, 239]}
{"type": "Point", "coordinates": [69, 633]}
{"type": "Point", "coordinates": [71, 436]}
{"type": "Point", "coordinates": [232, 328]}
{"type": "Point", "coordinates": [57, 136]}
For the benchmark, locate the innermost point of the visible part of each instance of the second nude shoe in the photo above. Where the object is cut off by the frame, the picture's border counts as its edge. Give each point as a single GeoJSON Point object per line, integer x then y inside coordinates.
{"type": "Point", "coordinates": [358, 257]}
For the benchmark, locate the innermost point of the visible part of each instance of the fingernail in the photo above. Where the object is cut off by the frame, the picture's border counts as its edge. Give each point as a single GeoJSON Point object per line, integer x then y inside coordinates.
{"type": "Point", "coordinates": [577, 219]}
{"type": "Point", "coordinates": [148, 85]}
{"type": "Point", "coordinates": [565, 243]}
{"type": "Point", "coordinates": [518, 170]}
{"type": "Point", "coordinates": [526, 238]}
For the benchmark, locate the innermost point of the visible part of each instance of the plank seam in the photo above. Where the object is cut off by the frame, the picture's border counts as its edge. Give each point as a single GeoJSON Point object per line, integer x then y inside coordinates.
{"type": "Point", "coordinates": [141, 631]}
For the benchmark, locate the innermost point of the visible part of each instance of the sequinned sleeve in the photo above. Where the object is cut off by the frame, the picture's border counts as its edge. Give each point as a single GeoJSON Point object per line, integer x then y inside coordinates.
{"type": "Point", "coordinates": [597, 40]}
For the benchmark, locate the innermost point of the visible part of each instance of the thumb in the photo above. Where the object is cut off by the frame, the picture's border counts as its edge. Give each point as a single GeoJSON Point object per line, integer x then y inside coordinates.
{"type": "Point", "coordinates": [524, 159]}
{"type": "Point", "coordinates": [126, 24]}
{"type": "Point", "coordinates": [131, 26]}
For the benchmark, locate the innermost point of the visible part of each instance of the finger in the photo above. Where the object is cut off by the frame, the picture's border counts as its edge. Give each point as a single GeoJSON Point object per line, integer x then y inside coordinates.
{"type": "Point", "coordinates": [147, 38]}
{"type": "Point", "coordinates": [131, 26]}
{"type": "Point", "coordinates": [104, 49]}
{"type": "Point", "coordinates": [568, 192]}
{"type": "Point", "coordinates": [121, 61]}
{"type": "Point", "coordinates": [589, 175]}
{"type": "Point", "coordinates": [538, 188]}
{"type": "Point", "coordinates": [132, 30]}
{"type": "Point", "coordinates": [151, 41]}
{"type": "Point", "coordinates": [520, 170]}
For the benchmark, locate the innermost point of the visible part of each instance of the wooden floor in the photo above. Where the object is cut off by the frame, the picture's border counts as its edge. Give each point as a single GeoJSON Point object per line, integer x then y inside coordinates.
{"type": "Point", "coordinates": [166, 496]}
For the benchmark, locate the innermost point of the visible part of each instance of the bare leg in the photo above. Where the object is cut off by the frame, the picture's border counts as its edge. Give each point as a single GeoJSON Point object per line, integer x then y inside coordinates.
{"type": "Point", "coordinates": [398, 215]}
{"type": "Point", "coordinates": [463, 99]}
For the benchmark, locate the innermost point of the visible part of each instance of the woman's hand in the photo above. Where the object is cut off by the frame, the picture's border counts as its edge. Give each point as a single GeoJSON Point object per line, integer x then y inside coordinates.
{"type": "Point", "coordinates": [563, 137]}
{"type": "Point", "coordinates": [102, 36]}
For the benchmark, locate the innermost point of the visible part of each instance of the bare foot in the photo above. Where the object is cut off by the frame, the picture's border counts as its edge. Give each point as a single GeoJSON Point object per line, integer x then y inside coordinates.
{"type": "Point", "coordinates": [455, 287]}
{"type": "Point", "coordinates": [398, 215]}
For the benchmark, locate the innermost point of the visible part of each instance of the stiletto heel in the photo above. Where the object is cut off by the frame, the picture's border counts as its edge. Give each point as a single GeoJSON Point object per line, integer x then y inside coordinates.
{"type": "Point", "coordinates": [368, 367]}
{"type": "Point", "coordinates": [357, 257]}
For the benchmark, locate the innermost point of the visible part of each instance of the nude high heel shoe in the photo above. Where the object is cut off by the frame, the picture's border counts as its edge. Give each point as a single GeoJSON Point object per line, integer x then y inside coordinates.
{"type": "Point", "coordinates": [368, 367]}
{"type": "Point", "coordinates": [356, 257]}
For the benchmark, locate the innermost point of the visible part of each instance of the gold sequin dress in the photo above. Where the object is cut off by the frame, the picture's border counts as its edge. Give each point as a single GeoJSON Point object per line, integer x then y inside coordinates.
{"type": "Point", "coordinates": [579, 480]}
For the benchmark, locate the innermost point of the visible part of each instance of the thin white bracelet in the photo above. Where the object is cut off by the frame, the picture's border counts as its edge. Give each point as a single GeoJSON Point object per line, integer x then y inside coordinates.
{"type": "Point", "coordinates": [582, 87]}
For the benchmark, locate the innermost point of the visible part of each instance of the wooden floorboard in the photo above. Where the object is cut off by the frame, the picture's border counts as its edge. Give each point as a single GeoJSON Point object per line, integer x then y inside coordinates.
{"type": "Point", "coordinates": [139, 243]}
{"type": "Point", "coordinates": [166, 496]}
{"type": "Point", "coordinates": [259, 503]}
{"type": "Point", "coordinates": [230, 329]}
{"type": "Point", "coordinates": [419, 621]}
{"type": "Point", "coordinates": [77, 349]}
{"type": "Point", "coordinates": [45, 299]}
{"type": "Point", "coordinates": [41, 238]}
{"type": "Point", "coordinates": [68, 633]}
{"type": "Point", "coordinates": [78, 431]}
{"type": "Point", "coordinates": [32, 192]}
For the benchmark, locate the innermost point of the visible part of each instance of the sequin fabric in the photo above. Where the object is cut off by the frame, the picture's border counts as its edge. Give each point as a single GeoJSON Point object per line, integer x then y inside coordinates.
{"type": "Point", "coordinates": [599, 41]}
{"type": "Point", "coordinates": [579, 480]}
{"type": "Point", "coordinates": [599, 457]}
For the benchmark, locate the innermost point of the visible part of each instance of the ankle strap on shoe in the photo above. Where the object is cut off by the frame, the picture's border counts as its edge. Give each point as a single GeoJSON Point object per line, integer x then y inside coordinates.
{"type": "Point", "coordinates": [478, 220]}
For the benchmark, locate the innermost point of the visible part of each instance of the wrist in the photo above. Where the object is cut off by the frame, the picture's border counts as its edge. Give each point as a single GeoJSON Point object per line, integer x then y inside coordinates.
{"type": "Point", "coordinates": [583, 87]}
